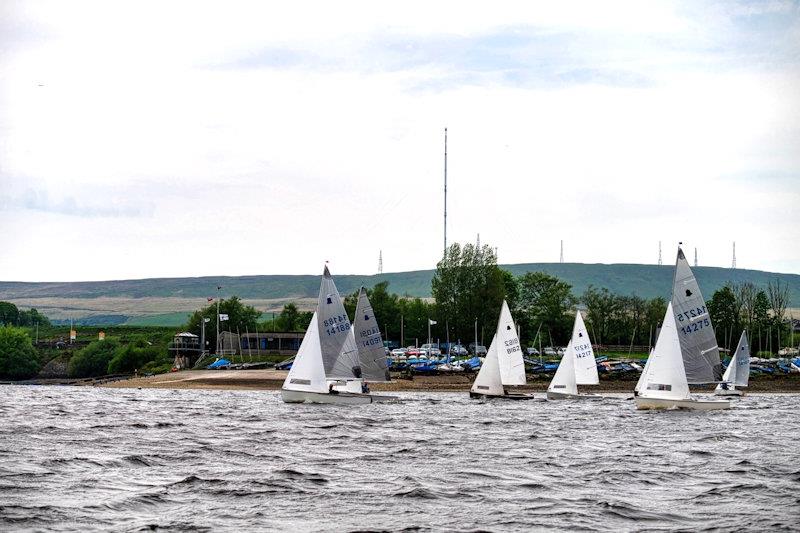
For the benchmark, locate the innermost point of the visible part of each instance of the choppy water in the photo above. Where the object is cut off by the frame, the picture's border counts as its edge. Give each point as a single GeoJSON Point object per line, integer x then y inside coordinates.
{"type": "Point", "coordinates": [115, 459]}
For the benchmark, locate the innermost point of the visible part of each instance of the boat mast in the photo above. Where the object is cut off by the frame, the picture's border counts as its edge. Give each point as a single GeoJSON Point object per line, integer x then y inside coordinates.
{"type": "Point", "coordinates": [445, 193]}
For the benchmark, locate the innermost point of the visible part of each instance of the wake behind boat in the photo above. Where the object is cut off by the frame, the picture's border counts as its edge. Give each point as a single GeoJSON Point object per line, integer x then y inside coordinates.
{"type": "Point", "coordinates": [503, 365]}
{"type": "Point", "coordinates": [327, 367]}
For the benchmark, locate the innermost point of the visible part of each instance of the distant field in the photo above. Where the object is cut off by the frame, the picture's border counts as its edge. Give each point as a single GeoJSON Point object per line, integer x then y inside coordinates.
{"type": "Point", "coordinates": [163, 300]}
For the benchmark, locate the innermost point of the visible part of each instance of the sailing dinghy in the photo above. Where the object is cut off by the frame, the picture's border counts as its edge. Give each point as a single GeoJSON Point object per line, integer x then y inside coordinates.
{"type": "Point", "coordinates": [664, 384]}
{"type": "Point", "coordinates": [577, 367]}
{"type": "Point", "coordinates": [327, 367]}
{"type": "Point", "coordinates": [503, 365]}
{"type": "Point", "coordinates": [738, 372]}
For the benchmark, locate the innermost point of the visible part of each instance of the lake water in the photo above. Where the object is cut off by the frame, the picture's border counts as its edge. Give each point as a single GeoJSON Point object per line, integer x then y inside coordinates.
{"type": "Point", "coordinates": [78, 459]}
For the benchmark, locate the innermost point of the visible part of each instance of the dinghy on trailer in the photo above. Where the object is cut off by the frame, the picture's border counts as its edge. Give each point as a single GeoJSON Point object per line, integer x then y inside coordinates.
{"type": "Point", "coordinates": [664, 384]}
{"type": "Point", "coordinates": [503, 365]}
{"type": "Point", "coordinates": [738, 372]}
{"type": "Point", "coordinates": [326, 368]}
{"type": "Point", "coordinates": [578, 367]}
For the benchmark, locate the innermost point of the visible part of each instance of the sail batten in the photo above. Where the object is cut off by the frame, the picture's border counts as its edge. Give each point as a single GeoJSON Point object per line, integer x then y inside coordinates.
{"type": "Point", "coordinates": [367, 332]}
{"type": "Point", "coordinates": [693, 326]}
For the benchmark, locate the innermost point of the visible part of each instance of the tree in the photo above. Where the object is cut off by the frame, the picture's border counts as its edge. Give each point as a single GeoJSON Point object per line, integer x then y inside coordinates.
{"type": "Point", "coordinates": [93, 360]}
{"type": "Point", "coordinates": [31, 318]}
{"type": "Point", "coordinates": [468, 285]}
{"type": "Point", "coordinates": [547, 301]}
{"type": "Point", "coordinates": [9, 314]}
{"type": "Point", "coordinates": [241, 318]}
{"type": "Point", "coordinates": [601, 305]}
{"type": "Point", "coordinates": [133, 356]}
{"type": "Point", "coordinates": [18, 358]}
{"type": "Point", "coordinates": [724, 311]}
{"type": "Point", "coordinates": [289, 318]}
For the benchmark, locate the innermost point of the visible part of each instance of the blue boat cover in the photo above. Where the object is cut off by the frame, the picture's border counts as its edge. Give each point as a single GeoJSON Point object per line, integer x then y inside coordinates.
{"type": "Point", "coordinates": [218, 363]}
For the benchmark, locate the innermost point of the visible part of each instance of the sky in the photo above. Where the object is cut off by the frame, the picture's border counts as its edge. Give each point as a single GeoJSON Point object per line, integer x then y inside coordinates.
{"type": "Point", "coordinates": [166, 139]}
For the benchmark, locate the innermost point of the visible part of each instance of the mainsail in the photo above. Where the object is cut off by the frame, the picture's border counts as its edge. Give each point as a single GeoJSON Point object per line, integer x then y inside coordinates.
{"type": "Point", "coordinates": [664, 374]}
{"type": "Point", "coordinates": [738, 371]}
{"type": "Point", "coordinates": [695, 332]}
{"type": "Point", "coordinates": [371, 353]}
{"type": "Point", "coordinates": [339, 352]}
{"type": "Point", "coordinates": [508, 350]}
{"type": "Point", "coordinates": [585, 364]}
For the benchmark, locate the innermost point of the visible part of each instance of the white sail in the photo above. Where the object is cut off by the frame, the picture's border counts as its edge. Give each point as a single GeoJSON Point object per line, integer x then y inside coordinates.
{"type": "Point", "coordinates": [743, 361]}
{"type": "Point", "coordinates": [695, 331]}
{"type": "Point", "coordinates": [640, 381]}
{"type": "Point", "coordinates": [339, 352]}
{"type": "Point", "coordinates": [371, 353]}
{"type": "Point", "coordinates": [564, 380]}
{"type": "Point", "coordinates": [509, 352]}
{"type": "Point", "coordinates": [307, 373]}
{"type": "Point", "coordinates": [665, 376]}
{"type": "Point", "coordinates": [488, 380]}
{"type": "Point", "coordinates": [738, 372]}
{"type": "Point", "coordinates": [585, 364]}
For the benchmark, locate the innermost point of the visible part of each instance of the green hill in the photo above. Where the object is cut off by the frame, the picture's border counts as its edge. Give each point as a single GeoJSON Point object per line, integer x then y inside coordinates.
{"type": "Point", "coordinates": [643, 280]}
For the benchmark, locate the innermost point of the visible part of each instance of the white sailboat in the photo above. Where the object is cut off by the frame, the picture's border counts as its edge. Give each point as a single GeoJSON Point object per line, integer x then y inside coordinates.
{"type": "Point", "coordinates": [577, 367]}
{"type": "Point", "coordinates": [695, 331]}
{"type": "Point", "coordinates": [327, 367]}
{"type": "Point", "coordinates": [738, 372]}
{"type": "Point", "coordinates": [503, 365]}
{"type": "Point", "coordinates": [664, 384]}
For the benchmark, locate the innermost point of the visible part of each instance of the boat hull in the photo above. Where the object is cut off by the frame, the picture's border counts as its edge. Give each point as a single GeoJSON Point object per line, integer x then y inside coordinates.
{"type": "Point", "coordinates": [729, 392]}
{"type": "Point", "coordinates": [341, 398]}
{"type": "Point", "coordinates": [508, 396]}
{"type": "Point", "coordinates": [555, 395]}
{"type": "Point", "coordinates": [696, 405]}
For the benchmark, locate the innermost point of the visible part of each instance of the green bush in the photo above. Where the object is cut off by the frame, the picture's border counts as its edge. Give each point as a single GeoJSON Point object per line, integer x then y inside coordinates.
{"type": "Point", "coordinates": [18, 358]}
{"type": "Point", "coordinates": [93, 360]}
{"type": "Point", "coordinates": [133, 356]}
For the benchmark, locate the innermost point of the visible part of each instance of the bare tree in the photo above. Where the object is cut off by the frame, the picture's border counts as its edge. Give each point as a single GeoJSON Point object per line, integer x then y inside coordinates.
{"type": "Point", "coordinates": [778, 294]}
{"type": "Point", "coordinates": [746, 300]}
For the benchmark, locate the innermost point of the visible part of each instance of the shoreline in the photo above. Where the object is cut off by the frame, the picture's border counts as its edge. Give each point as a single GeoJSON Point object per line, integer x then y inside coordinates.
{"type": "Point", "coordinates": [273, 379]}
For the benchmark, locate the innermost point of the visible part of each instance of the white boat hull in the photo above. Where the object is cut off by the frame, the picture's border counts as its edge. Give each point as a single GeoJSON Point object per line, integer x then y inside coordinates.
{"type": "Point", "coordinates": [697, 405]}
{"type": "Point", "coordinates": [729, 392]}
{"type": "Point", "coordinates": [555, 395]}
{"type": "Point", "coordinates": [341, 398]}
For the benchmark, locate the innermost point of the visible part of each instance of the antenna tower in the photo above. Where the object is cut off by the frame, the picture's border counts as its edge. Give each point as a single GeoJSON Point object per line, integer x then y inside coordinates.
{"type": "Point", "coordinates": [733, 262]}
{"type": "Point", "coordinates": [478, 243]}
{"type": "Point", "coordinates": [380, 262]}
{"type": "Point", "coordinates": [659, 254]}
{"type": "Point", "coordinates": [561, 259]}
{"type": "Point", "coordinates": [695, 257]}
{"type": "Point", "coordinates": [445, 192]}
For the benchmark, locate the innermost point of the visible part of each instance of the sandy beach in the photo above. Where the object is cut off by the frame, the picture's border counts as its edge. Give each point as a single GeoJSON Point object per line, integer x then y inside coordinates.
{"type": "Point", "coordinates": [273, 379]}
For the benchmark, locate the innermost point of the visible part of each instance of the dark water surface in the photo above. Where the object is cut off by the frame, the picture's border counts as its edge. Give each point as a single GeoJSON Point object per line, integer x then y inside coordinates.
{"type": "Point", "coordinates": [78, 459]}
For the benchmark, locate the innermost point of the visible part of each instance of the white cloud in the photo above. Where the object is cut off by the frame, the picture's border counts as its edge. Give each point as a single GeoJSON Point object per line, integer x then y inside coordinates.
{"type": "Point", "coordinates": [191, 139]}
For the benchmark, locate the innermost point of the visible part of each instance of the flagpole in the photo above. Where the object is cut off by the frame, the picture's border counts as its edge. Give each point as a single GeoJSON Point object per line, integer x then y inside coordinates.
{"type": "Point", "coordinates": [217, 347]}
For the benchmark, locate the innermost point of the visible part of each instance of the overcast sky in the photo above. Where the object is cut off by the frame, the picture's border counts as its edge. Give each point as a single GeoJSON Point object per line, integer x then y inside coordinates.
{"type": "Point", "coordinates": [149, 139]}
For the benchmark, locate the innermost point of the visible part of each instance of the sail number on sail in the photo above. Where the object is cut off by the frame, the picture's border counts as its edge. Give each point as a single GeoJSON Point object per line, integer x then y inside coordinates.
{"type": "Point", "coordinates": [512, 346]}
{"type": "Point", "coordinates": [370, 337]}
{"type": "Point", "coordinates": [583, 350]}
{"type": "Point", "coordinates": [335, 324]}
{"type": "Point", "coordinates": [690, 316]}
